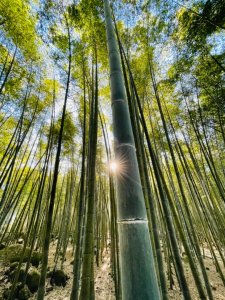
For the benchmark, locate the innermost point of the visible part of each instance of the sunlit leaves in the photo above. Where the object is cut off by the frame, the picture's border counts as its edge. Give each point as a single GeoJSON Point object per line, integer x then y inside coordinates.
{"type": "Point", "coordinates": [6, 132]}
{"type": "Point", "coordinates": [19, 24]}
{"type": "Point", "coordinates": [47, 88]}
{"type": "Point", "coordinates": [69, 133]}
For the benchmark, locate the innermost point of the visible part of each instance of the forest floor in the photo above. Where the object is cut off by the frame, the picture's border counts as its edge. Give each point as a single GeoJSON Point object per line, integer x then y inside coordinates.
{"type": "Point", "coordinates": [104, 287]}
{"type": "Point", "coordinates": [218, 289]}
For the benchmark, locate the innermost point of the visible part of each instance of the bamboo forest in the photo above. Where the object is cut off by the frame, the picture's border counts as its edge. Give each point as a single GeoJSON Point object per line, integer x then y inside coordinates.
{"type": "Point", "coordinates": [112, 139]}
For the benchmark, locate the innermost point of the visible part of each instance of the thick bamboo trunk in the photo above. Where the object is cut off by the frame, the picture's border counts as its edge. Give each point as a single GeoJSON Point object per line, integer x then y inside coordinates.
{"type": "Point", "coordinates": [138, 275]}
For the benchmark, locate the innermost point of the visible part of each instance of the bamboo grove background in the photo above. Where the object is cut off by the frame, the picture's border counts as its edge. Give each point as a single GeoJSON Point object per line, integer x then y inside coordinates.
{"type": "Point", "coordinates": [56, 135]}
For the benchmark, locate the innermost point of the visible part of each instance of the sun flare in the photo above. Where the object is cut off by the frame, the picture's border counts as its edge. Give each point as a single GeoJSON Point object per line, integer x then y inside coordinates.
{"type": "Point", "coordinates": [113, 166]}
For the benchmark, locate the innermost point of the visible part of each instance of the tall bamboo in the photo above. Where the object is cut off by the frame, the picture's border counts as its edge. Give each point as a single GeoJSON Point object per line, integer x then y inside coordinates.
{"type": "Point", "coordinates": [45, 251]}
{"type": "Point", "coordinates": [87, 280]}
{"type": "Point", "coordinates": [138, 275]}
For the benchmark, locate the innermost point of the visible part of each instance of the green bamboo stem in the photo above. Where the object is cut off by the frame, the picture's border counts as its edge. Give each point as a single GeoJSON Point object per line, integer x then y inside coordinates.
{"type": "Point", "coordinates": [138, 274]}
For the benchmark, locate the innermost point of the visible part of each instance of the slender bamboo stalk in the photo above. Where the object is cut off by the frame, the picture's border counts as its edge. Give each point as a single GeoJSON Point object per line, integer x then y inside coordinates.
{"type": "Point", "coordinates": [41, 289]}
{"type": "Point", "coordinates": [81, 204]}
{"type": "Point", "coordinates": [87, 282]}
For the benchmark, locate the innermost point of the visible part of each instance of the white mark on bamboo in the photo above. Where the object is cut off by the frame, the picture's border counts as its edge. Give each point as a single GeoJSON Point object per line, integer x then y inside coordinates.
{"type": "Point", "coordinates": [117, 100]}
{"type": "Point", "coordinates": [132, 221]}
{"type": "Point", "coordinates": [114, 72]}
{"type": "Point", "coordinates": [125, 145]}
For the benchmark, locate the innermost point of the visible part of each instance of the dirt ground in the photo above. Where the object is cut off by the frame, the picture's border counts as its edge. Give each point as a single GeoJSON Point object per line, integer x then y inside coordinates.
{"type": "Point", "coordinates": [104, 287]}
{"type": "Point", "coordinates": [218, 289]}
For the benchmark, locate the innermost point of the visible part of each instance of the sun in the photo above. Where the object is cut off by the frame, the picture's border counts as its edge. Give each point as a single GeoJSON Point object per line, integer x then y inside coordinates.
{"type": "Point", "coordinates": [113, 166]}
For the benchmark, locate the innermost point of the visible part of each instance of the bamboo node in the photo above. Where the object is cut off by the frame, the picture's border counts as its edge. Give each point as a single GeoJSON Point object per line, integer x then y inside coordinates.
{"type": "Point", "coordinates": [133, 221]}
{"type": "Point", "coordinates": [125, 145]}
{"type": "Point", "coordinates": [117, 100]}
